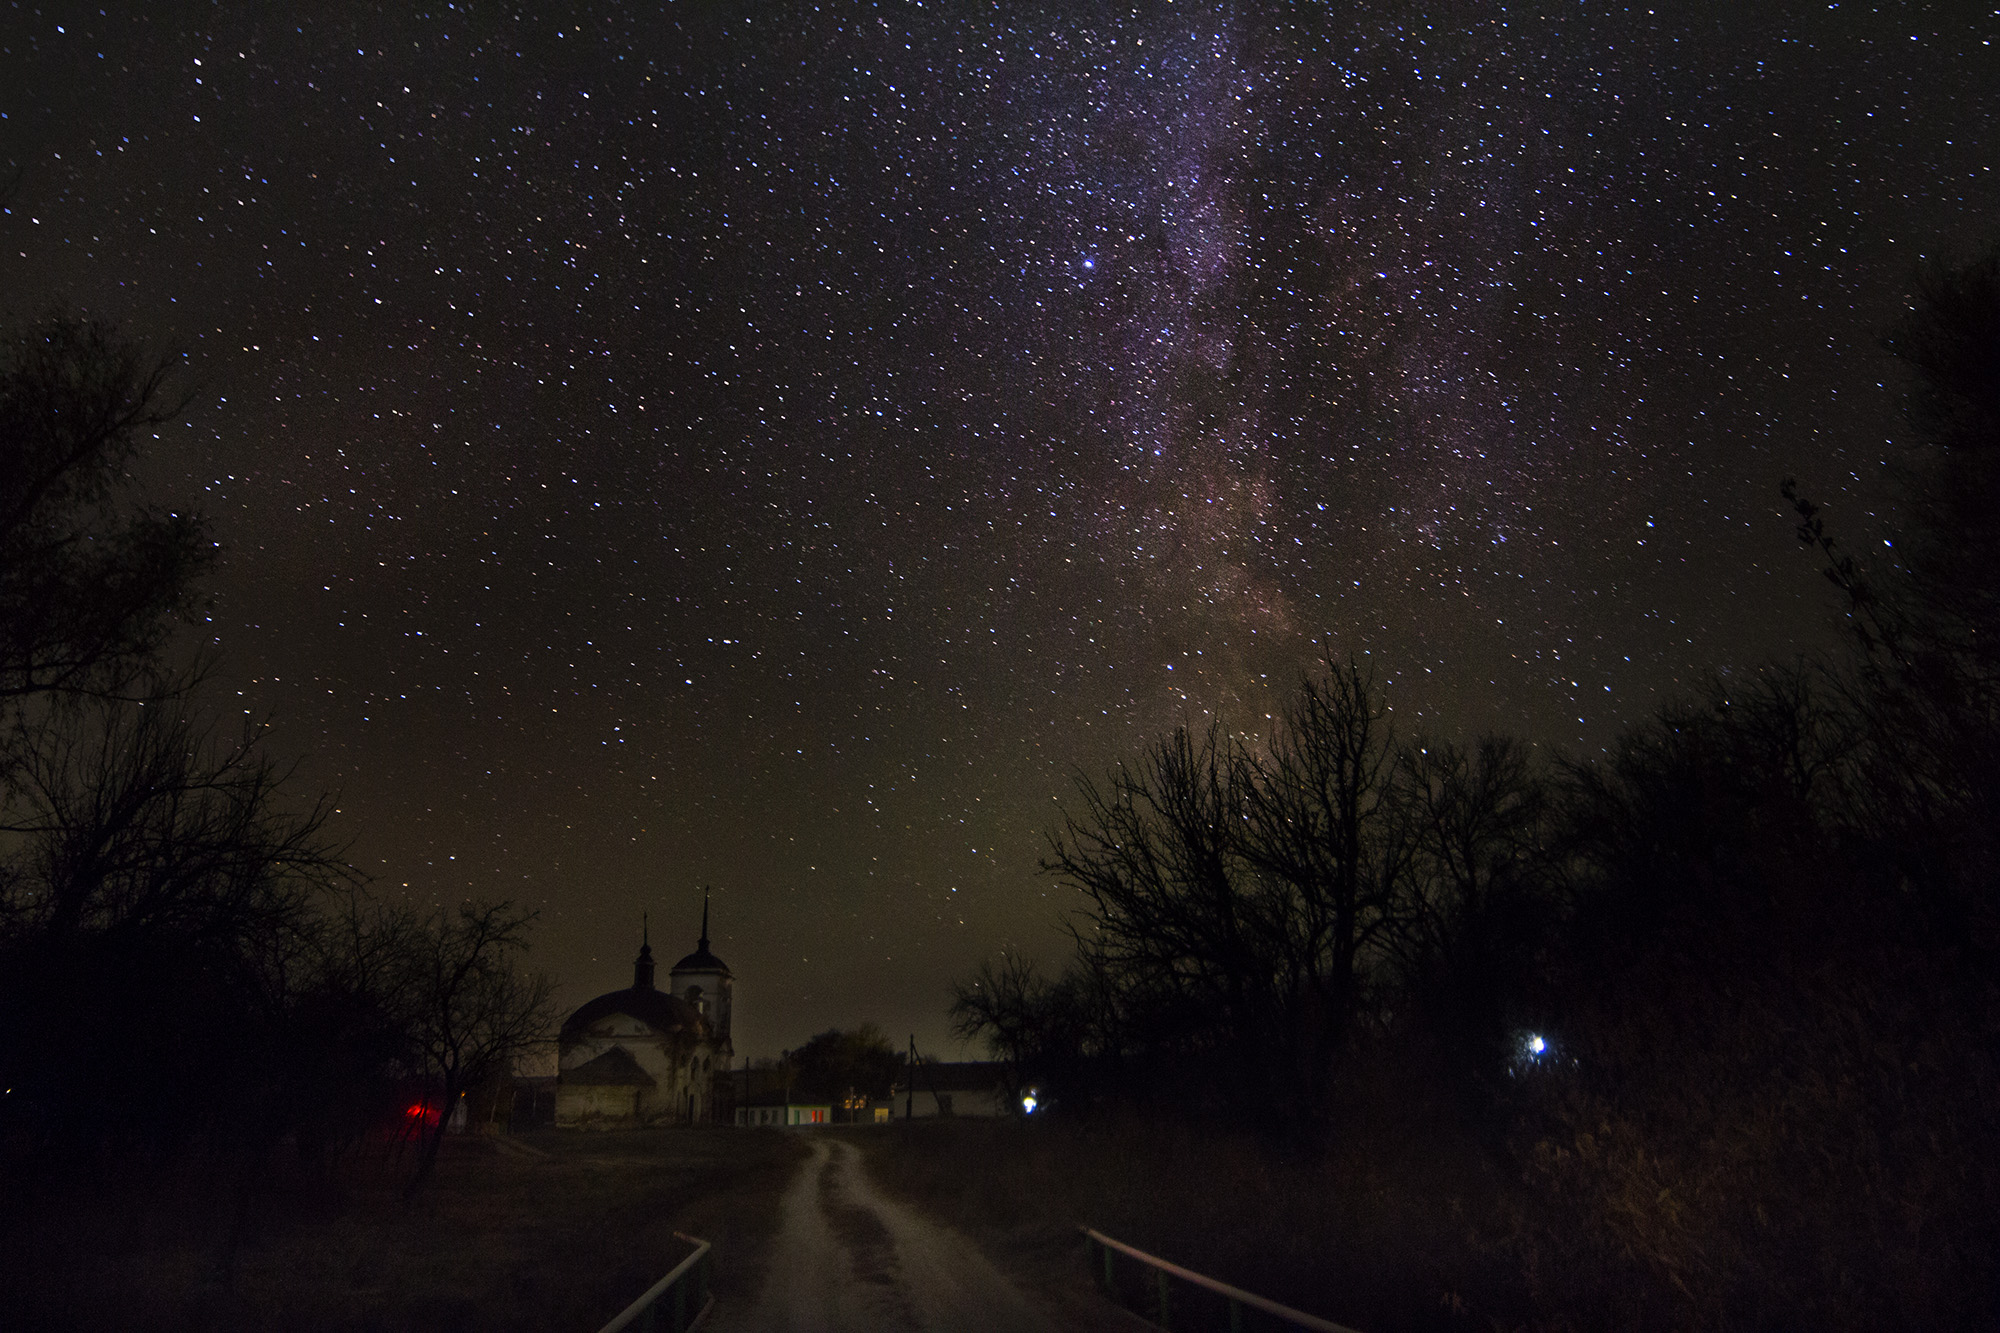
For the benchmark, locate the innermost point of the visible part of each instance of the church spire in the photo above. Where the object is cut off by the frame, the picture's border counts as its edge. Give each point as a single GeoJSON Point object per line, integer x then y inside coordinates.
{"type": "Point", "coordinates": [701, 960]}
{"type": "Point", "coordinates": [642, 967]}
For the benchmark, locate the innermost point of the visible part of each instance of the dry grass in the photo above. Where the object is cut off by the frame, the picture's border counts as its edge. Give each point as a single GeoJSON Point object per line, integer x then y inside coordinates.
{"type": "Point", "coordinates": [560, 1231]}
{"type": "Point", "coordinates": [1394, 1235]}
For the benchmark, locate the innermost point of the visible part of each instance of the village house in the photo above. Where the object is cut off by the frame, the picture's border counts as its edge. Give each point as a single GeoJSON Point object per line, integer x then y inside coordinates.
{"type": "Point", "coordinates": [764, 1097]}
{"type": "Point", "coordinates": [971, 1088]}
{"type": "Point", "coordinates": [964, 1088]}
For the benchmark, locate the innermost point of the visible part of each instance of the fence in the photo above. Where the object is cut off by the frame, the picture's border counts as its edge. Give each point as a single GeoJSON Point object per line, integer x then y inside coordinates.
{"type": "Point", "coordinates": [673, 1297]}
{"type": "Point", "coordinates": [1169, 1308]}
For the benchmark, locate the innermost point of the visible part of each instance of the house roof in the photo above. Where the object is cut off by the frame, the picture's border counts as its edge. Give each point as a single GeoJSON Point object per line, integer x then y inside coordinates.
{"type": "Point", "coordinates": [658, 1009]}
{"type": "Point", "coordinates": [615, 1068]}
{"type": "Point", "coordinates": [961, 1076]}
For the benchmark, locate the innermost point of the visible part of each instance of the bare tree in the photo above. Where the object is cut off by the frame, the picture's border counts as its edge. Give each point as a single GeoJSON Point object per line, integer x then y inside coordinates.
{"type": "Point", "coordinates": [468, 1007]}
{"type": "Point", "coordinates": [1004, 1004]}
{"type": "Point", "coordinates": [147, 857]}
{"type": "Point", "coordinates": [138, 816]}
{"type": "Point", "coordinates": [1475, 823]}
{"type": "Point", "coordinates": [1155, 853]}
{"type": "Point", "coordinates": [1318, 832]}
{"type": "Point", "coordinates": [91, 579]}
{"type": "Point", "coordinates": [1238, 903]}
{"type": "Point", "coordinates": [1068, 1031]}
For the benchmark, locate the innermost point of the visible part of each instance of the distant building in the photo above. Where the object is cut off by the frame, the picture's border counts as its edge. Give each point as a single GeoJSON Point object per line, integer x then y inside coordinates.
{"type": "Point", "coordinates": [960, 1088]}
{"type": "Point", "coordinates": [781, 1114]}
{"type": "Point", "coordinates": [974, 1088]}
{"type": "Point", "coordinates": [643, 1056]}
{"type": "Point", "coordinates": [763, 1097]}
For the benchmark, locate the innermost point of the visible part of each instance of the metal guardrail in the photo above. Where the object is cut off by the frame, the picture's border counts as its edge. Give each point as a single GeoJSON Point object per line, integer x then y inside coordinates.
{"type": "Point", "coordinates": [1101, 1248]}
{"type": "Point", "coordinates": [679, 1292]}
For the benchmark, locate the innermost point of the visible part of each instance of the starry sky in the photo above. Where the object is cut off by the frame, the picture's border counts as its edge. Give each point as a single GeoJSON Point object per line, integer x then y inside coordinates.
{"type": "Point", "coordinates": [776, 446]}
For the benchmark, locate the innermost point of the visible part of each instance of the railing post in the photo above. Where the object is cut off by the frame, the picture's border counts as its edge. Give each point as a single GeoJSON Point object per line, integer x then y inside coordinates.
{"type": "Point", "coordinates": [1164, 1273]}
{"type": "Point", "coordinates": [689, 1280]}
{"type": "Point", "coordinates": [1110, 1276]}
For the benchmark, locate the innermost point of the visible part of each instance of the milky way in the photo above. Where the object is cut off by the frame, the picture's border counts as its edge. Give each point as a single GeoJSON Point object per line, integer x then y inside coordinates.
{"type": "Point", "coordinates": [775, 447]}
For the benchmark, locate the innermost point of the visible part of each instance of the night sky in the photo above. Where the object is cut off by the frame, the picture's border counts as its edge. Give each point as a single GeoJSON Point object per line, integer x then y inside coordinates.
{"type": "Point", "coordinates": [776, 446]}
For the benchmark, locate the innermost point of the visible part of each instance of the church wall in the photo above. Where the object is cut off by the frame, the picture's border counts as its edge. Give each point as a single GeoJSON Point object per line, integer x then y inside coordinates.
{"type": "Point", "coordinates": [593, 1105]}
{"type": "Point", "coordinates": [542, 1059]}
{"type": "Point", "coordinates": [665, 1060]}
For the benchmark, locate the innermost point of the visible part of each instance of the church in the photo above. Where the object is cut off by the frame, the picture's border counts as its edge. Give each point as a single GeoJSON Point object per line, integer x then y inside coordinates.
{"type": "Point", "coordinates": [642, 1056]}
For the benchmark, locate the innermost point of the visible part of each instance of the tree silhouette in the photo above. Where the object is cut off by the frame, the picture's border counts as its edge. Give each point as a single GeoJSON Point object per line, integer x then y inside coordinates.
{"type": "Point", "coordinates": [91, 578]}
{"type": "Point", "coordinates": [466, 1007]}
{"type": "Point", "coordinates": [836, 1063]}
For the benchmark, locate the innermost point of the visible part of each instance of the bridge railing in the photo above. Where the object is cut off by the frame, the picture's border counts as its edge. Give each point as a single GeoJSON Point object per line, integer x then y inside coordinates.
{"type": "Point", "coordinates": [677, 1303]}
{"type": "Point", "coordinates": [1170, 1307]}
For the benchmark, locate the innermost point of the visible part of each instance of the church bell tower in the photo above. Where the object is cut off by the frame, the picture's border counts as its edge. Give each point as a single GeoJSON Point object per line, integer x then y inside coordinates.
{"type": "Point", "coordinates": [704, 981]}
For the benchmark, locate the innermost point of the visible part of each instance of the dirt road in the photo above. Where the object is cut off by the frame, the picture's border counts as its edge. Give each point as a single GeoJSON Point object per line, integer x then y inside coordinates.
{"type": "Point", "coordinates": [847, 1258]}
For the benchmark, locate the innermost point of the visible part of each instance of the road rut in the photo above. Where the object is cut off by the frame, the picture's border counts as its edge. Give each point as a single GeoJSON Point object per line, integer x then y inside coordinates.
{"type": "Point", "coordinates": [847, 1258]}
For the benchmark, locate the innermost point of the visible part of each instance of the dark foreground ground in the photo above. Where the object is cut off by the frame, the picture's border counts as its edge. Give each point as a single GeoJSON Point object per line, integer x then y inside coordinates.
{"type": "Point", "coordinates": [551, 1232]}
{"type": "Point", "coordinates": [1372, 1240]}
{"type": "Point", "coordinates": [559, 1231]}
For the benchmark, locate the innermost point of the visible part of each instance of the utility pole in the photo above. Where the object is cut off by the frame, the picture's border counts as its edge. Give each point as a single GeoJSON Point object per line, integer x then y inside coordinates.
{"type": "Point", "coordinates": [910, 1088]}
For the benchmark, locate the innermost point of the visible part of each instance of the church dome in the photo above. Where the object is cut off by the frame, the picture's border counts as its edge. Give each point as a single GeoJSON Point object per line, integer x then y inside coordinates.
{"type": "Point", "coordinates": [663, 1011]}
{"type": "Point", "coordinates": [701, 960]}
{"type": "Point", "coordinates": [660, 1010]}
